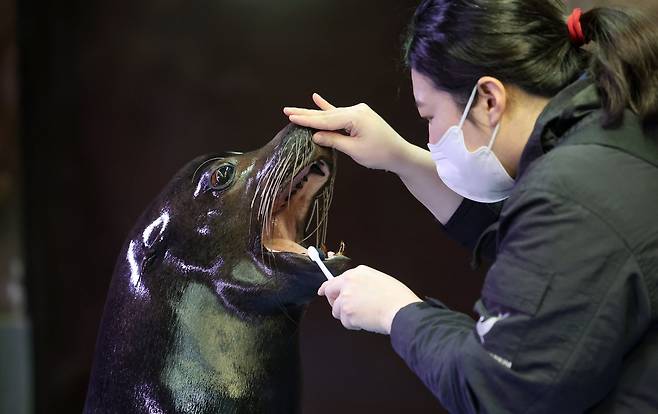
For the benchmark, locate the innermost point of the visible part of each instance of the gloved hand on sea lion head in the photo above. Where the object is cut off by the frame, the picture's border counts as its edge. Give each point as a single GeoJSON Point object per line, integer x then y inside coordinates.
{"type": "Point", "coordinates": [372, 142]}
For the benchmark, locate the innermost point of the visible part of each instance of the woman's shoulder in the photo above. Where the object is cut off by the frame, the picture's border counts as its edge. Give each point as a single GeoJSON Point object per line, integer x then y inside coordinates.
{"type": "Point", "coordinates": [616, 186]}
{"type": "Point", "coordinates": [592, 161]}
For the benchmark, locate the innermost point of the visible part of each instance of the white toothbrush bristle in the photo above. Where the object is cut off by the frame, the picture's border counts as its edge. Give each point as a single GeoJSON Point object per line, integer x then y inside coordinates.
{"type": "Point", "coordinates": [315, 256]}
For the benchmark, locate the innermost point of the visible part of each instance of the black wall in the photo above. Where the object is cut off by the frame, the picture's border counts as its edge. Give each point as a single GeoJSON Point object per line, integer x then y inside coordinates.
{"type": "Point", "coordinates": [117, 95]}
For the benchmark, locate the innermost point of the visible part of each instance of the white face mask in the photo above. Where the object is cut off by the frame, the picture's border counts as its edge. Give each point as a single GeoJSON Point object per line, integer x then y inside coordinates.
{"type": "Point", "coordinates": [478, 175]}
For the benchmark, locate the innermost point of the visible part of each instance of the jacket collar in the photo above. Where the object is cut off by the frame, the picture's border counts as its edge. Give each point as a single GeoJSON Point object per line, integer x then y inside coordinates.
{"type": "Point", "coordinates": [565, 110]}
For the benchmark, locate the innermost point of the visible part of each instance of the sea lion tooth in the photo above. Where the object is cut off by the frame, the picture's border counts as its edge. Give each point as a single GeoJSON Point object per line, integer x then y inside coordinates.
{"type": "Point", "coordinates": [341, 248]}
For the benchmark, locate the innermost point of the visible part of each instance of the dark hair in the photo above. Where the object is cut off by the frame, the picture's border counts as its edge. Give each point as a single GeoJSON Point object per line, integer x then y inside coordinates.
{"type": "Point", "coordinates": [526, 43]}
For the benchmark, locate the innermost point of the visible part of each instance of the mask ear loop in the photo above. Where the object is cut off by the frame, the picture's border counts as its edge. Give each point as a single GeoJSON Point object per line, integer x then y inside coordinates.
{"type": "Point", "coordinates": [468, 107]}
{"type": "Point", "coordinates": [493, 137]}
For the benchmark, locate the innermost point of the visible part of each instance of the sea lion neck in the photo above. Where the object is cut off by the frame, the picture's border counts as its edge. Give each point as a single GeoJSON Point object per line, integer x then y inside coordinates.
{"type": "Point", "coordinates": [220, 358]}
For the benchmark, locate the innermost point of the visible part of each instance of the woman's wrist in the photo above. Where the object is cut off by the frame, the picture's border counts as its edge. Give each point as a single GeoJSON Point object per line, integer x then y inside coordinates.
{"type": "Point", "coordinates": [394, 309]}
{"type": "Point", "coordinates": [412, 161]}
{"type": "Point", "coordinates": [402, 159]}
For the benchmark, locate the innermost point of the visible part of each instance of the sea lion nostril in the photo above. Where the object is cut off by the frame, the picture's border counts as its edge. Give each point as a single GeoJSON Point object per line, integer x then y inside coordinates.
{"type": "Point", "coordinates": [315, 169]}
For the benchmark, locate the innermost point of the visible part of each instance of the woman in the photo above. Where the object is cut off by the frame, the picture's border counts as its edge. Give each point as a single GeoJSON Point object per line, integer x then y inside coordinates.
{"type": "Point", "coordinates": [547, 161]}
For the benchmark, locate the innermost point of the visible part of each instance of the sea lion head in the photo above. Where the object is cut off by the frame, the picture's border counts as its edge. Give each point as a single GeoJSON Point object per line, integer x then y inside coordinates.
{"type": "Point", "coordinates": [240, 223]}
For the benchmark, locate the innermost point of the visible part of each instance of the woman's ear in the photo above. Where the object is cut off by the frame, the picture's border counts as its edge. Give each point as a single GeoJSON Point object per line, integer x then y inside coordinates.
{"type": "Point", "coordinates": [492, 96]}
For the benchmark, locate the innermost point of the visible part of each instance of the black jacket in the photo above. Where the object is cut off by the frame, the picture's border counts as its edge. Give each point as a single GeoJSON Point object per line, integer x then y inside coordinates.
{"type": "Point", "coordinates": [570, 304]}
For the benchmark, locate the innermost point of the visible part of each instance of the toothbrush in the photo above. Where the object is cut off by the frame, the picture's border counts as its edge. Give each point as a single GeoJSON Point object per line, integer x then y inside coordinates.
{"type": "Point", "coordinates": [315, 256]}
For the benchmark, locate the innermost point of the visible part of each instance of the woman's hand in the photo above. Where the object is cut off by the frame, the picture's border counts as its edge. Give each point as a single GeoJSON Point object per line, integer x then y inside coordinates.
{"type": "Point", "coordinates": [364, 298]}
{"type": "Point", "coordinates": [371, 141]}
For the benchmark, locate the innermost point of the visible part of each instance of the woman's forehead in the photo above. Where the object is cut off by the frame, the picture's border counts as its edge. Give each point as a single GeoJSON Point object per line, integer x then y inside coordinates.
{"type": "Point", "coordinates": [426, 94]}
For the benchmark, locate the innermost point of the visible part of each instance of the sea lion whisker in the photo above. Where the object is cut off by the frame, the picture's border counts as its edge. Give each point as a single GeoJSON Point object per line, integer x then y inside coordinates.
{"type": "Point", "coordinates": [328, 200]}
{"type": "Point", "coordinates": [308, 224]}
{"type": "Point", "coordinates": [274, 174]}
{"type": "Point", "coordinates": [281, 169]}
{"type": "Point", "coordinates": [272, 192]}
{"type": "Point", "coordinates": [327, 204]}
{"type": "Point", "coordinates": [315, 230]}
{"type": "Point", "coordinates": [294, 170]}
{"type": "Point", "coordinates": [257, 191]}
{"type": "Point", "coordinates": [321, 215]}
{"type": "Point", "coordinates": [281, 175]}
{"type": "Point", "coordinates": [266, 179]}
{"type": "Point", "coordinates": [263, 192]}
{"type": "Point", "coordinates": [271, 178]}
{"type": "Point", "coordinates": [324, 228]}
{"type": "Point", "coordinates": [268, 189]}
{"type": "Point", "coordinates": [327, 197]}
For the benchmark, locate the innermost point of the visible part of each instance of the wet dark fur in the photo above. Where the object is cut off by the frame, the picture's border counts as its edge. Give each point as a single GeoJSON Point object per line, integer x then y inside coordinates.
{"type": "Point", "coordinates": [198, 318]}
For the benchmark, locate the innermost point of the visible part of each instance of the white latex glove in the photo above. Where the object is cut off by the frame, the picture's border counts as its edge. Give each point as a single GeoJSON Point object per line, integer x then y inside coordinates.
{"type": "Point", "coordinates": [371, 141]}
{"type": "Point", "coordinates": [365, 298]}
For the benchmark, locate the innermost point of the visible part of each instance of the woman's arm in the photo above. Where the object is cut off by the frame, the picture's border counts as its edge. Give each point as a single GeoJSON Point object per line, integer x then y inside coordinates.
{"type": "Point", "coordinates": [562, 305]}
{"type": "Point", "coordinates": [373, 143]}
{"type": "Point", "coordinates": [418, 173]}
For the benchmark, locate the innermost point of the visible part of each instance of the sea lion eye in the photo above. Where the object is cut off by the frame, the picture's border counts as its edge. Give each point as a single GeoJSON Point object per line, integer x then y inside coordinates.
{"type": "Point", "coordinates": [222, 177]}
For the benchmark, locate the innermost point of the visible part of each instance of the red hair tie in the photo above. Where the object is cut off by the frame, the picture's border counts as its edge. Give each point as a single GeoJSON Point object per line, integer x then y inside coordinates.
{"type": "Point", "coordinates": [575, 29]}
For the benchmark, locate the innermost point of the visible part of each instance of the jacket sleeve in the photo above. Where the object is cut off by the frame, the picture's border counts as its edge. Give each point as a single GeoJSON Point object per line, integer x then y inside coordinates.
{"type": "Point", "coordinates": [470, 220]}
{"type": "Point", "coordinates": [561, 305]}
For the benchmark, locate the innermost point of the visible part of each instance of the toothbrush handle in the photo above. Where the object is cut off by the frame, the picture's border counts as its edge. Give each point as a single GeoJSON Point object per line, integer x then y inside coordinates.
{"type": "Point", "coordinates": [326, 271]}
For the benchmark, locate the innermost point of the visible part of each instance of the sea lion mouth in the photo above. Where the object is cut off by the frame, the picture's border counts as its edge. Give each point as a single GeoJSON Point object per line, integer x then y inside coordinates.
{"type": "Point", "coordinates": [296, 197]}
{"type": "Point", "coordinates": [297, 213]}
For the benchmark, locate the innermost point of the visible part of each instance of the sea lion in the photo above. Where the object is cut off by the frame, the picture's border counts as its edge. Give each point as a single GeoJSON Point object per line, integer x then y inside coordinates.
{"type": "Point", "coordinates": [203, 309]}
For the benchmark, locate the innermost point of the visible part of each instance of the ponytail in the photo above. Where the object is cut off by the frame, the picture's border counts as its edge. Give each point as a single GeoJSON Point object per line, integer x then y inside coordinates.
{"type": "Point", "coordinates": [529, 44]}
{"type": "Point", "coordinates": [624, 62]}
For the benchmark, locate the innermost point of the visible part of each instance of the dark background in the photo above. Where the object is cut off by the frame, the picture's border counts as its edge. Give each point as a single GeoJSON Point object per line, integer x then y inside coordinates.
{"type": "Point", "coordinates": [118, 95]}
